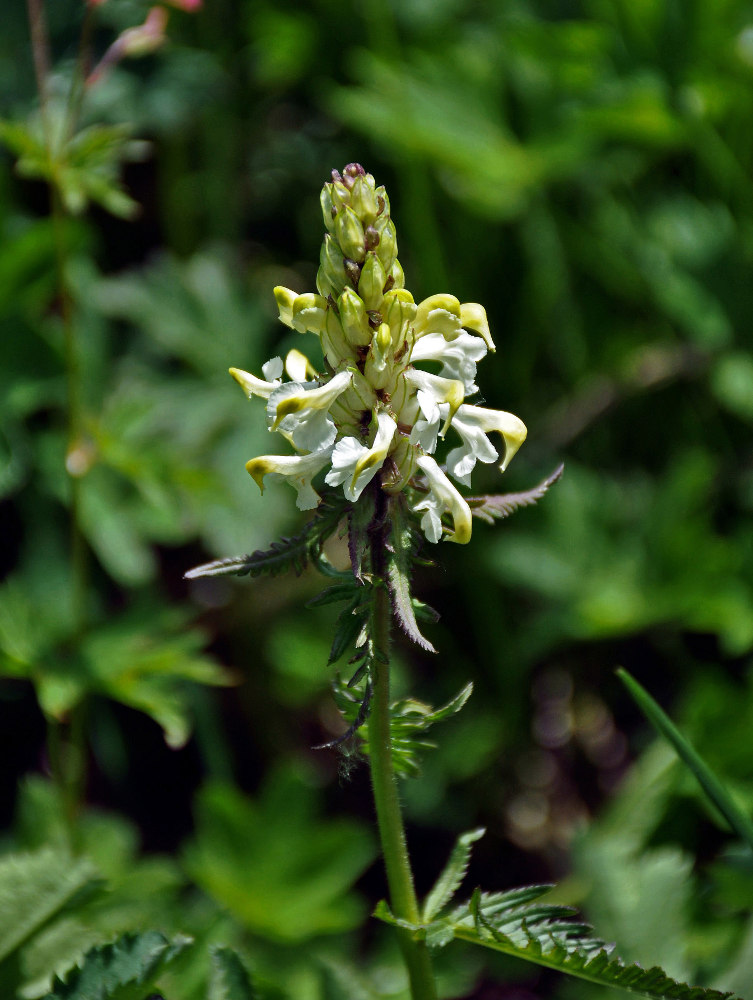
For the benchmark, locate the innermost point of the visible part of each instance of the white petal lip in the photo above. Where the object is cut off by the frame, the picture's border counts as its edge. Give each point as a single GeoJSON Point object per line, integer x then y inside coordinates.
{"type": "Point", "coordinates": [254, 386]}
{"type": "Point", "coordinates": [443, 497]}
{"type": "Point", "coordinates": [458, 357]}
{"type": "Point", "coordinates": [443, 390]}
{"type": "Point", "coordinates": [299, 470]}
{"type": "Point", "coordinates": [354, 464]}
{"type": "Point", "coordinates": [300, 411]}
{"type": "Point", "coordinates": [470, 420]}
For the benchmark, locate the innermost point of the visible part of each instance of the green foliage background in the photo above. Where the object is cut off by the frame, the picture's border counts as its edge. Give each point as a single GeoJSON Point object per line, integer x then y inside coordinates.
{"type": "Point", "coordinates": [585, 170]}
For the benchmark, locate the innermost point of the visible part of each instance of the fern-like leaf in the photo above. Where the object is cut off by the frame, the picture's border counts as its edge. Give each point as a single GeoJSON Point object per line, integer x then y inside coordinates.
{"type": "Point", "coordinates": [229, 979]}
{"type": "Point", "coordinates": [519, 924]}
{"type": "Point", "coordinates": [287, 554]}
{"type": "Point", "coordinates": [452, 875]}
{"type": "Point", "coordinates": [492, 508]}
{"type": "Point", "coordinates": [409, 720]}
{"type": "Point", "coordinates": [124, 970]}
{"type": "Point", "coordinates": [400, 555]}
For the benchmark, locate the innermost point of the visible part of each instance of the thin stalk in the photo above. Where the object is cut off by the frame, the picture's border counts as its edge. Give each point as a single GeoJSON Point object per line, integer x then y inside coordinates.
{"type": "Point", "coordinates": [386, 799]}
{"type": "Point", "coordinates": [65, 742]}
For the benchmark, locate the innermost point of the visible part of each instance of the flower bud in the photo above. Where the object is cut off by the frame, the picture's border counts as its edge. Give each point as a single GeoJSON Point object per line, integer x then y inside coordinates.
{"type": "Point", "coordinates": [331, 273]}
{"type": "Point", "coordinates": [376, 368]}
{"type": "Point", "coordinates": [363, 199]}
{"type": "Point", "coordinates": [350, 235]}
{"type": "Point", "coordinates": [328, 207]}
{"type": "Point", "coordinates": [398, 310]}
{"type": "Point", "coordinates": [371, 282]}
{"type": "Point", "coordinates": [335, 345]}
{"type": "Point", "coordinates": [354, 318]}
{"type": "Point", "coordinates": [400, 467]}
{"type": "Point", "coordinates": [395, 277]}
{"type": "Point", "coordinates": [387, 247]}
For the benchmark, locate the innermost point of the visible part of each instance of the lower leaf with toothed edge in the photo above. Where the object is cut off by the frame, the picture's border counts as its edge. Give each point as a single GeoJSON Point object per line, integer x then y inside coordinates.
{"type": "Point", "coordinates": [399, 565]}
{"type": "Point", "coordinates": [287, 554]}
{"type": "Point", "coordinates": [515, 924]}
{"type": "Point", "coordinates": [494, 507]}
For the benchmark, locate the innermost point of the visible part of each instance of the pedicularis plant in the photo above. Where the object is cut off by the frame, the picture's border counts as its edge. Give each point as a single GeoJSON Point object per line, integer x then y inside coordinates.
{"type": "Point", "coordinates": [372, 421]}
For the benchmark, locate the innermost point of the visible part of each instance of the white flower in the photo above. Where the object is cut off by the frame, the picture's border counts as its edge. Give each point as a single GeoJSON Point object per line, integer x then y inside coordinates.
{"type": "Point", "coordinates": [299, 410]}
{"type": "Point", "coordinates": [473, 423]}
{"type": "Point", "coordinates": [458, 356]}
{"type": "Point", "coordinates": [426, 428]}
{"type": "Point", "coordinates": [442, 498]}
{"type": "Point", "coordinates": [298, 368]}
{"type": "Point", "coordinates": [254, 386]}
{"type": "Point", "coordinates": [355, 465]}
{"type": "Point", "coordinates": [299, 470]}
{"type": "Point", "coordinates": [441, 390]}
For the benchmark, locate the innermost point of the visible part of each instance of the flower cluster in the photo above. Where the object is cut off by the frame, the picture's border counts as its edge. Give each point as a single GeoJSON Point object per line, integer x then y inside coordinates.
{"type": "Point", "coordinates": [372, 411]}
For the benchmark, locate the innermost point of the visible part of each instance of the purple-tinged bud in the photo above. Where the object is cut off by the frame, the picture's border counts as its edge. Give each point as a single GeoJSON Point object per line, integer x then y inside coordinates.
{"type": "Point", "coordinates": [353, 271]}
{"type": "Point", "coordinates": [371, 238]}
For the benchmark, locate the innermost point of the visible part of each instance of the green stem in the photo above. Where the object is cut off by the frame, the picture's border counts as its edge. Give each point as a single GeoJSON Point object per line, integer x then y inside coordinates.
{"type": "Point", "coordinates": [386, 799]}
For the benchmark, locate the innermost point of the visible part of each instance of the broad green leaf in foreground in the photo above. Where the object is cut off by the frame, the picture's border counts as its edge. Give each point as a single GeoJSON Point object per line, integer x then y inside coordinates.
{"type": "Point", "coordinates": [34, 889]}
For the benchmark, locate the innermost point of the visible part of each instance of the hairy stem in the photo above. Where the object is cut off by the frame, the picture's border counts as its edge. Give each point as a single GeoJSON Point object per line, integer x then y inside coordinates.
{"type": "Point", "coordinates": [386, 799]}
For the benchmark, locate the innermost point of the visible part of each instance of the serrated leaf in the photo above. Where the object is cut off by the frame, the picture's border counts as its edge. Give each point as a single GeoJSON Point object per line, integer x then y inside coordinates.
{"type": "Point", "coordinates": [495, 507]}
{"type": "Point", "coordinates": [287, 554]}
{"type": "Point", "coordinates": [738, 821]}
{"type": "Point", "coordinates": [452, 875]}
{"type": "Point", "coordinates": [401, 549]}
{"type": "Point", "coordinates": [229, 979]}
{"type": "Point", "coordinates": [124, 970]}
{"type": "Point", "coordinates": [350, 623]}
{"type": "Point", "coordinates": [331, 595]}
{"type": "Point", "coordinates": [37, 887]}
{"type": "Point", "coordinates": [409, 719]}
{"type": "Point", "coordinates": [543, 934]}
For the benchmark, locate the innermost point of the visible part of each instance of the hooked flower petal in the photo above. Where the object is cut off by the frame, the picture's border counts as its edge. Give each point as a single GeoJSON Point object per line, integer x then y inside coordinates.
{"type": "Point", "coordinates": [299, 470]}
{"type": "Point", "coordinates": [442, 498]}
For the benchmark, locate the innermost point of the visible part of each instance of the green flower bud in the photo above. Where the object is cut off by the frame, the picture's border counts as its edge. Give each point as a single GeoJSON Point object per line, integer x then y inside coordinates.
{"type": "Point", "coordinates": [328, 207]}
{"type": "Point", "coordinates": [350, 234]}
{"type": "Point", "coordinates": [387, 247]}
{"type": "Point", "coordinates": [331, 274]}
{"type": "Point", "coordinates": [395, 276]}
{"type": "Point", "coordinates": [354, 318]}
{"type": "Point", "coordinates": [363, 199]}
{"type": "Point", "coordinates": [383, 200]}
{"type": "Point", "coordinates": [335, 345]}
{"type": "Point", "coordinates": [399, 311]}
{"type": "Point", "coordinates": [376, 369]}
{"type": "Point", "coordinates": [339, 194]}
{"type": "Point", "coordinates": [371, 282]}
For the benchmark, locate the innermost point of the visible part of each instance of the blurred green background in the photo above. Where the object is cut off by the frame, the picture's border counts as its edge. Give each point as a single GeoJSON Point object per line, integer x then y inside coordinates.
{"type": "Point", "coordinates": [584, 170]}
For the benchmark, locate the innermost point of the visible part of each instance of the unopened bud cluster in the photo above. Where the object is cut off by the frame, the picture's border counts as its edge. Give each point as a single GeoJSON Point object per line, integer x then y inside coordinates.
{"type": "Point", "coordinates": [373, 412]}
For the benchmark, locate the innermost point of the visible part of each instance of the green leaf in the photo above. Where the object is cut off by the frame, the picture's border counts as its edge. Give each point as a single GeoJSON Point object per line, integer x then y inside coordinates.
{"type": "Point", "coordinates": [738, 821]}
{"type": "Point", "coordinates": [409, 720]}
{"type": "Point", "coordinates": [285, 873]}
{"type": "Point", "coordinates": [229, 979]}
{"type": "Point", "coordinates": [287, 554]}
{"type": "Point", "coordinates": [34, 889]}
{"type": "Point", "coordinates": [401, 550]}
{"type": "Point", "coordinates": [453, 874]}
{"type": "Point", "coordinates": [515, 924]}
{"type": "Point", "coordinates": [127, 969]}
